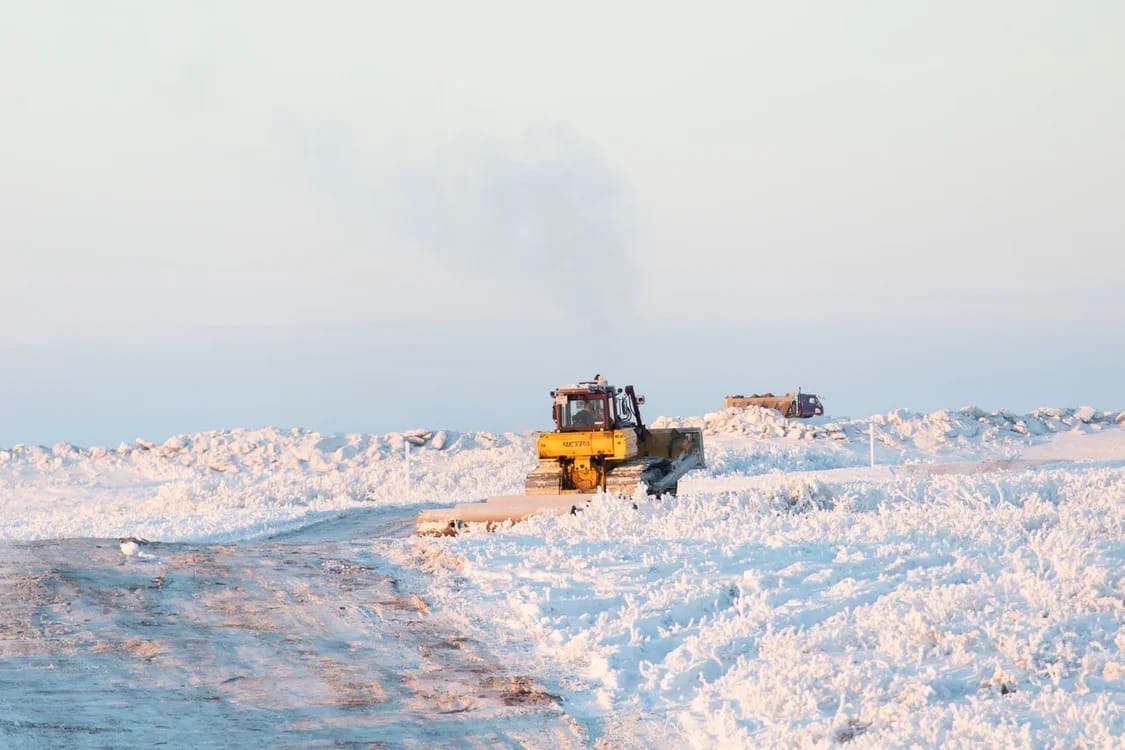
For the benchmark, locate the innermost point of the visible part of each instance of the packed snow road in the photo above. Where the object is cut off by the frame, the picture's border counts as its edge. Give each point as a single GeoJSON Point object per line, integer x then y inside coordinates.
{"type": "Point", "coordinates": [297, 641]}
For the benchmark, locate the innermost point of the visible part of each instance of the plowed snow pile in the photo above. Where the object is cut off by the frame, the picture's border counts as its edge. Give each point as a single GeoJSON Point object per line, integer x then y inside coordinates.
{"type": "Point", "coordinates": [968, 590]}
{"type": "Point", "coordinates": [244, 484]}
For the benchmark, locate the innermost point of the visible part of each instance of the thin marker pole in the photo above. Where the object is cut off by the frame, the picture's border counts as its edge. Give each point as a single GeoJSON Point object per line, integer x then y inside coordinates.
{"type": "Point", "coordinates": [872, 431]}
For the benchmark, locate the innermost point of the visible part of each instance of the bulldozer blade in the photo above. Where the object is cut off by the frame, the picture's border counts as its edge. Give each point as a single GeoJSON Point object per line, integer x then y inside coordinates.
{"type": "Point", "coordinates": [494, 511]}
{"type": "Point", "coordinates": [681, 445]}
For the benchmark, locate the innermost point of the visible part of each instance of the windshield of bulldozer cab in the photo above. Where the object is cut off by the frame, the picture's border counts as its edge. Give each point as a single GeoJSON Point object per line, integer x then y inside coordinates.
{"type": "Point", "coordinates": [584, 414]}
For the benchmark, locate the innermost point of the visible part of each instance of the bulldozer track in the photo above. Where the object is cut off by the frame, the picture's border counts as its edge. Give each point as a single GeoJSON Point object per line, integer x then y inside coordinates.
{"type": "Point", "coordinates": [547, 477]}
{"type": "Point", "coordinates": [624, 479]}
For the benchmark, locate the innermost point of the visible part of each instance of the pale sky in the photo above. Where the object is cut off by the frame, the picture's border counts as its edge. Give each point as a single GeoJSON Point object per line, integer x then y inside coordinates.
{"type": "Point", "coordinates": [374, 216]}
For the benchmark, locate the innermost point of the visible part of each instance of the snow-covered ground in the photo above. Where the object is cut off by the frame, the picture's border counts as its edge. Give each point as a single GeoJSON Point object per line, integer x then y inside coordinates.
{"type": "Point", "coordinates": [967, 590]}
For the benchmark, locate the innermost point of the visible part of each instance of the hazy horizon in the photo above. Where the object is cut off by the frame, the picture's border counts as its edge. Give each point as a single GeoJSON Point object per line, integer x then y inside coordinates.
{"type": "Point", "coordinates": [479, 377]}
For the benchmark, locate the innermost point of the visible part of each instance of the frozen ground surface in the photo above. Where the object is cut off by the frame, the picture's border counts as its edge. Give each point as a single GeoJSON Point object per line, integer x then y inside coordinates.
{"type": "Point", "coordinates": [302, 641]}
{"type": "Point", "coordinates": [969, 590]}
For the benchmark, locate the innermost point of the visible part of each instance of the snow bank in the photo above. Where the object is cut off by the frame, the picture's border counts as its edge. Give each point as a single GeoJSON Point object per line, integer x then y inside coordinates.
{"type": "Point", "coordinates": [242, 484]}
{"type": "Point", "coordinates": [904, 435]}
{"type": "Point", "coordinates": [929, 610]}
{"type": "Point", "coordinates": [238, 484]}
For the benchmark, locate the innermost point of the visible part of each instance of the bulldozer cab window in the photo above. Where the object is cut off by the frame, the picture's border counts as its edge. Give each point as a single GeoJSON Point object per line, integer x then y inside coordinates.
{"type": "Point", "coordinates": [585, 415]}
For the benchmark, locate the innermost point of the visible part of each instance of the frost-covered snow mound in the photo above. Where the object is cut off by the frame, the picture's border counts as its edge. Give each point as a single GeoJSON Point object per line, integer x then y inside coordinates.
{"type": "Point", "coordinates": [241, 484]}
{"type": "Point", "coordinates": [255, 451]}
{"type": "Point", "coordinates": [903, 435]}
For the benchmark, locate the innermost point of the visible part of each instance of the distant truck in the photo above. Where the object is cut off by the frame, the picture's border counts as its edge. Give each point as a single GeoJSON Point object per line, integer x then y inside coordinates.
{"type": "Point", "coordinates": [792, 404]}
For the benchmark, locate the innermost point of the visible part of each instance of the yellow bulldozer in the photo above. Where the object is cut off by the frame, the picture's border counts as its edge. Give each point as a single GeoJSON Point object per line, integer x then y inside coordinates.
{"type": "Point", "coordinates": [600, 443]}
